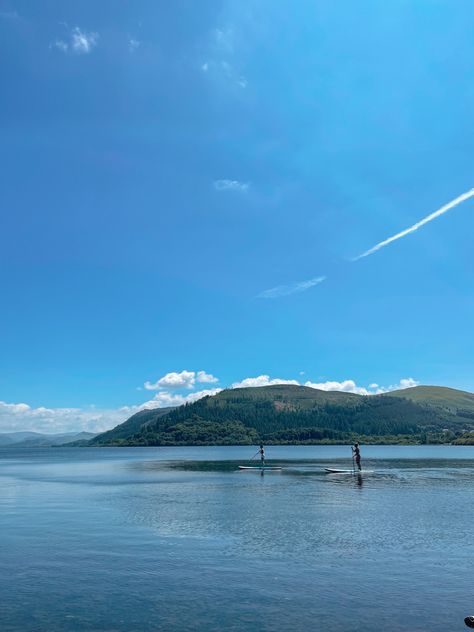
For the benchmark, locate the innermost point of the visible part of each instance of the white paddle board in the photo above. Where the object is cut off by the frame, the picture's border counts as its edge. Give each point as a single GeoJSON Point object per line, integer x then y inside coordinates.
{"type": "Point", "coordinates": [334, 471]}
{"type": "Point", "coordinates": [265, 468]}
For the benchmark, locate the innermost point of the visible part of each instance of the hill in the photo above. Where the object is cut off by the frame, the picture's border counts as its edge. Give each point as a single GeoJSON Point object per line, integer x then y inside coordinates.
{"type": "Point", "coordinates": [10, 438]}
{"type": "Point", "coordinates": [299, 414]}
{"type": "Point", "coordinates": [39, 440]}
{"type": "Point", "coordinates": [449, 399]}
{"type": "Point", "coordinates": [129, 427]}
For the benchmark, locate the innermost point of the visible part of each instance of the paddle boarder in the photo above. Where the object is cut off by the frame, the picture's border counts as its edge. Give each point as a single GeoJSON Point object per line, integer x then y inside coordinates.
{"type": "Point", "coordinates": [261, 451]}
{"type": "Point", "coordinates": [356, 454]}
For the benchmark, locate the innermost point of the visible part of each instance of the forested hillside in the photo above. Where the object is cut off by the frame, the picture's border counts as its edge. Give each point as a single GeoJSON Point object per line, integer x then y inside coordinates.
{"type": "Point", "coordinates": [298, 414]}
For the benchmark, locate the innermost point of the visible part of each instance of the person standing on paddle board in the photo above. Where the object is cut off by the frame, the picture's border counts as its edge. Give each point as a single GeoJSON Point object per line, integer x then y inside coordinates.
{"type": "Point", "coordinates": [261, 451]}
{"type": "Point", "coordinates": [356, 454]}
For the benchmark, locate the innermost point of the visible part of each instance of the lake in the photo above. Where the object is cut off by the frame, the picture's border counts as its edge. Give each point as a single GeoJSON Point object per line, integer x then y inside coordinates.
{"type": "Point", "coordinates": [177, 539]}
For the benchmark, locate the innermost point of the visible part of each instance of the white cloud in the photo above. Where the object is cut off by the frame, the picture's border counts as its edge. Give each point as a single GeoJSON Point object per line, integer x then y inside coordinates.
{"type": "Point", "coordinates": [184, 379]}
{"type": "Point", "coordinates": [349, 386]}
{"type": "Point", "coordinates": [21, 416]}
{"type": "Point", "coordinates": [262, 380]}
{"type": "Point", "coordinates": [193, 397]}
{"type": "Point", "coordinates": [206, 378]}
{"type": "Point", "coordinates": [164, 399]}
{"type": "Point", "coordinates": [14, 408]}
{"type": "Point", "coordinates": [286, 290]}
{"type": "Point", "coordinates": [407, 382]}
{"type": "Point", "coordinates": [231, 185]}
{"type": "Point", "coordinates": [346, 386]}
{"type": "Point", "coordinates": [79, 42]}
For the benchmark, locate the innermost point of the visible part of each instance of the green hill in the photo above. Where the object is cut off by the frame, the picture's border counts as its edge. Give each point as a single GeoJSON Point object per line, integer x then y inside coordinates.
{"type": "Point", "coordinates": [449, 399]}
{"type": "Point", "coordinates": [299, 414]}
{"type": "Point", "coordinates": [130, 427]}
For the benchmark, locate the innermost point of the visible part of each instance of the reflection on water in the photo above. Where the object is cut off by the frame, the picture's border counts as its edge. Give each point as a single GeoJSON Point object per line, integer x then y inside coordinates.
{"type": "Point", "coordinates": [180, 539]}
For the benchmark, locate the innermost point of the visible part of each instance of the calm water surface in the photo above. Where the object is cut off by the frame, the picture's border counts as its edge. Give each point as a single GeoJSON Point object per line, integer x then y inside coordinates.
{"type": "Point", "coordinates": [177, 539]}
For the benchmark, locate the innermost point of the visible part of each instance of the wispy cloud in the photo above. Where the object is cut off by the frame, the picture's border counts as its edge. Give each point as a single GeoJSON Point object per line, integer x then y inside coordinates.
{"type": "Point", "coordinates": [224, 70]}
{"type": "Point", "coordinates": [222, 61]}
{"type": "Point", "coordinates": [286, 290]}
{"type": "Point", "coordinates": [83, 42]}
{"type": "Point", "coordinates": [79, 42]}
{"type": "Point", "coordinates": [60, 45]}
{"type": "Point", "coordinates": [133, 44]}
{"type": "Point", "coordinates": [302, 286]}
{"type": "Point", "coordinates": [224, 40]}
{"type": "Point", "coordinates": [231, 185]}
{"type": "Point", "coordinates": [429, 218]}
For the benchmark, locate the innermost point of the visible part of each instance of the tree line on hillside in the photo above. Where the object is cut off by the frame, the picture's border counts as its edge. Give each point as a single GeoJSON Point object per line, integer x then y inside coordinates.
{"type": "Point", "coordinates": [246, 421]}
{"type": "Point", "coordinates": [368, 415]}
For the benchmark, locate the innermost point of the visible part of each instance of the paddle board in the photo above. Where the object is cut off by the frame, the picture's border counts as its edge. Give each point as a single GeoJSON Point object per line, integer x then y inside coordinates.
{"type": "Point", "coordinates": [265, 468]}
{"type": "Point", "coordinates": [333, 471]}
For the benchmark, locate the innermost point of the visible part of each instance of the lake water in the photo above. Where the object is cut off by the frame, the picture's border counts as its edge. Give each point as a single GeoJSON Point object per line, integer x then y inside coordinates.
{"type": "Point", "coordinates": [177, 539]}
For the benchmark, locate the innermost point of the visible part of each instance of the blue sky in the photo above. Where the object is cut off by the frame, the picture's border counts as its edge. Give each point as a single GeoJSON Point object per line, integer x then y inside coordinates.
{"type": "Point", "coordinates": [164, 165]}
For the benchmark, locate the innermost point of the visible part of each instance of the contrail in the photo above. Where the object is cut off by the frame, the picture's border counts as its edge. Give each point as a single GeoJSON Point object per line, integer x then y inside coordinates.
{"type": "Point", "coordinates": [422, 222]}
{"type": "Point", "coordinates": [301, 286]}
{"type": "Point", "coordinates": [285, 290]}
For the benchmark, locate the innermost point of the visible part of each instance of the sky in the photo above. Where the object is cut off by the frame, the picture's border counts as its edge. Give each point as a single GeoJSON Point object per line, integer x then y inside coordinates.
{"type": "Point", "coordinates": [197, 195]}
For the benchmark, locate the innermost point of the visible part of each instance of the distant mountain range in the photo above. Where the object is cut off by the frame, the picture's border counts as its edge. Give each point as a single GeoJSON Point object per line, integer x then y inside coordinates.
{"type": "Point", "coordinates": [38, 440]}
{"type": "Point", "coordinates": [285, 414]}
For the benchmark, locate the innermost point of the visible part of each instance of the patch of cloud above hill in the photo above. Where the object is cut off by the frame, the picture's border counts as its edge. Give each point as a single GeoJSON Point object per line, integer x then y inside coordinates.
{"type": "Point", "coordinates": [262, 380]}
{"type": "Point", "coordinates": [22, 417]}
{"type": "Point", "coordinates": [183, 379]}
{"type": "Point", "coordinates": [349, 386]}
